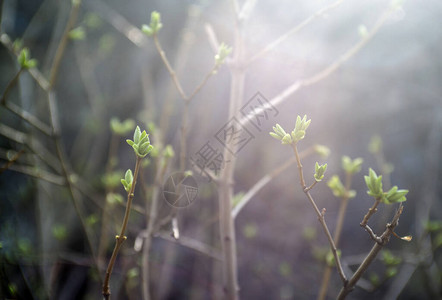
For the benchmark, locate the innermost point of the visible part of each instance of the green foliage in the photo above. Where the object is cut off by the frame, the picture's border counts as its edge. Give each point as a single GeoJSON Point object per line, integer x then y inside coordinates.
{"type": "Point", "coordinates": [375, 144]}
{"type": "Point", "coordinates": [121, 128]}
{"type": "Point", "coordinates": [92, 21]}
{"type": "Point", "coordinates": [59, 232]}
{"type": "Point", "coordinates": [432, 226]}
{"type": "Point", "coordinates": [319, 171]}
{"type": "Point", "coordinates": [237, 198]}
{"type": "Point", "coordinates": [390, 259]}
{"type": "Point", "coordinates": [128, 180]}
{"type": "Point", "coordinates": [330, 258]}
{"type": "Point", "coordinates": [296, 135]}
{"type": "Point", "coordinates": [300, 127]}
{"type": "Point", "coordinates": [351, 166]}
{"type": "Point", "coordinates": [285, 269]}
{"type": "Point", "coordinates": [250, 230]}
{"type": "Point", "coordinates": [77, 33]}
{"type": "Point", "coordinates": [374, 185]}
{"type": "Point", "coordinates": [112, 180]}
{"type": "Point", "coordinates": [140, 143]}
{"type": "Point", "coordinates": [336, 186]}
{"type": "Point", "coordinates": [309, 233]}
{"type": "Point", "coordinates": [222, 54]}
{"type": "Point", "coordinates": [113, 198]}
{"type": "Point", "coordinates": [168, 152]}
{"type": "Point", "coordinates": [154, 26]}
{"type": "Point", "coordinates": [25, 60]}
{"type": "Point", "coordinates": [322, 151]}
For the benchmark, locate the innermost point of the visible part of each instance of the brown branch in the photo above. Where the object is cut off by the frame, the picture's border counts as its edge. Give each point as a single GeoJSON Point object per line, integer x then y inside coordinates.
{"type": "Point", "coordinates": [119, 239]}
{"type": "Point", "coordinates": [321, 218]}
{"type": "Point", "coordinates": [384, 238]}
{"type": "Point", "coordinates": [336, 236]}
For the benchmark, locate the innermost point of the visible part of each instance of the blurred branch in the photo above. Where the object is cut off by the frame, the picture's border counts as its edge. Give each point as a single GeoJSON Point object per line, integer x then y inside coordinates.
{"type": "Point", "coordinates": [151, 219]}
{"type": "Point", "coordinates": [294, 30]}
{"type": "Point", "coordinates": [193, 244]}
{"type": "Point", "coordinates": [33, 144]}
{"type": "Point", "coordinates": [11, 161]}
{"type": "Point", "coordinates": [384, 238]}
{"type": "Point", "coordinates": [10, 85]}
{"type": "Point", "coordinates": [260, 184]}
{"type": "Point", "coordinates": [337, 234]}
{"type": "Point", "coordinates": [63, 42]}
{"type": "Point", "coordinates": [37, 173]}
{"type": "Point", "coordinates": [322, 74]}
{"type": "Point", "coordinates": [24, 115]}
{"type": "Point", "coordinates": [123, 26]}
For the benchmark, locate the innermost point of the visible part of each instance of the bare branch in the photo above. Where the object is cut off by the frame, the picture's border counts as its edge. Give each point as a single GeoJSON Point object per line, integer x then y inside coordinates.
{"type": "Point", "coordinates": [281, 97]}
{"type": "Point", "coordinates": [294, 30]}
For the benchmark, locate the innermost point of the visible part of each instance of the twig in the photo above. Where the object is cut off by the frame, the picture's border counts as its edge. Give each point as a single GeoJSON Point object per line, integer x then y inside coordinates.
{"type": "Point", "coordinates": [281, 97]}
{"type": "Point", "coordinates": [121, 24]}
{"type": "Point", "coordinates": [371, 255]}
{"type": "Point", "coordinates": [63, 42]}
{"type": "Point", "coordinates": [24, 115]}
{"type": "Point", "coordinates": [371, 211]}
{"type": "Point", "coordinates": [336, 236]}
{"type": "Point", "coordinates": [294, 30]}
{"type": "Point", "coordinates": [260, 184]}
{"type": "Point", "coordinates": [151, 219]}
{"type": "Point", "coordinates": [40, 174]}
{"type": "Point", "coordinates": [28, 117]}
{"type": "Point", "coordinates": [169, 67]}
{"type": "Point", "coordinates": [36, 74]}
{"type": "Point", "coordinates": [321, 218]}
{"type": "Point", "coordinates": [193, 244]}
{"type": "Point", "coordinates": [11, 161]}
{"type": "Point", "coordinates": [119, 239]}
{"type": "Point", "coordinates": [10, 85]}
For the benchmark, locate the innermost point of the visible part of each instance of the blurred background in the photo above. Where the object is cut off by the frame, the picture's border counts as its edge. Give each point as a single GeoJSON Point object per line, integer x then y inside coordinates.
{"type": "Point", "coordinates": [55, 241]}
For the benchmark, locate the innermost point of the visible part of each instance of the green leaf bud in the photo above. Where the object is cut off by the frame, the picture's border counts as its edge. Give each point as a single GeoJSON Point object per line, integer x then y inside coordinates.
{"type": "Point", "coordinates": [319, 171]}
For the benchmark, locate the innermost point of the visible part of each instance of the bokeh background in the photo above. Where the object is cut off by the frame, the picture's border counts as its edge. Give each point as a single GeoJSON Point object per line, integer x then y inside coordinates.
{"type": "Point", "coordinates": [391, 89]}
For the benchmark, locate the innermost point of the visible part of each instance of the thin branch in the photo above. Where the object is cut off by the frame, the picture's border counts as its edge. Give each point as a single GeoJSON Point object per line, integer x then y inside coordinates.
{"type": "Point", "coordinates": [371, 211]}
{"type": "Point", "coordinates": [169, 67]}
{"type": "Point", "coordinates": [10, 85]}
{"type": "Point", "coordinates": [321, 218]}
{"type": "Point", "coordinates": [193, 244]}
{"type": "Point", "coordinates": [281, 97]}
{"type": "Point", "coordinates": [28, 117]}
{"type": "Point", "coordinates": [295, 30]}
{"type": "Point", "coordinates": [385, 237]}
{"type": "Point", "coordinates": [121, 24]}
{"type": "Point", "coordinates": [39, 174]}
{"type": "Point", "coordinates": [119, 239]}
{"type": "Point", "coordinates": [11, 161]}
{"type": "Point", "coordinates": [63, 42]}
{"type": "Point", "coordinates": [151, 220]}
{"type": "Point", "coordinates": [260, 184]}
{"type": "Point", "coordinates": [337, 234]}
{"type": "Point", "coordinates": [36, 74]}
